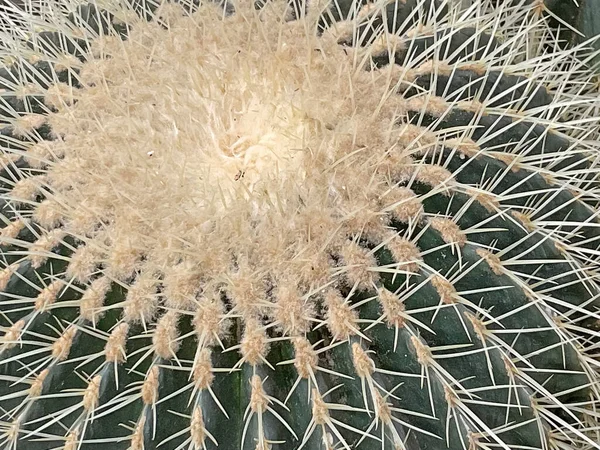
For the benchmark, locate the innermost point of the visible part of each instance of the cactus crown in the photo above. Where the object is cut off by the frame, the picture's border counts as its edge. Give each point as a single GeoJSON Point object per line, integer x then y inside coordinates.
{"type": "Point", "coordinates": [271, 225]}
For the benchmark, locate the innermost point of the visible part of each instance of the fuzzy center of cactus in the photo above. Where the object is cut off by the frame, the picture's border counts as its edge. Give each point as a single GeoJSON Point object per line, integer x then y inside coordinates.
{"type": "Point", "coordinates": [264, 142]}
{"type": "Point", "coordinates": [199, 137]}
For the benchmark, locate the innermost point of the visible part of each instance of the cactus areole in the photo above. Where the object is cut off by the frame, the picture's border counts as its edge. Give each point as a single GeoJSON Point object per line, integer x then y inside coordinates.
{"type": "Point", "coordinates": [296, 225]}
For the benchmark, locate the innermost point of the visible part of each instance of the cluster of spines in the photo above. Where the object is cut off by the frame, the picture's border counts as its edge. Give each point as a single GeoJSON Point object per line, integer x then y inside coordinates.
{"type": "Point", "coordinates": [360, 268]}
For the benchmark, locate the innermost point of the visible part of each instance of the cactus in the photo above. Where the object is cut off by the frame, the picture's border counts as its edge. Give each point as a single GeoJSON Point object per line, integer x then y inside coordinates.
{"type": "Point", "coordinates": [576, 22]}
{"type": "Point", "coordinates": [296, 225]}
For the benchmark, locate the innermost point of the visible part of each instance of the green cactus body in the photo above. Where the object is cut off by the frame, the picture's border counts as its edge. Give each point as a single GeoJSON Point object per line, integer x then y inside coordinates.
{"type": "Point", "coordinates": [576, 22]}
{"type": "Point", "coordinates": [341, 225]}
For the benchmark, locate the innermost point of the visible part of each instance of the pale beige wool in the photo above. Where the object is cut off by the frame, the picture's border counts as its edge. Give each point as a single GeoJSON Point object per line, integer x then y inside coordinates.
{"type": "Point", "coordinates": [225, 153]}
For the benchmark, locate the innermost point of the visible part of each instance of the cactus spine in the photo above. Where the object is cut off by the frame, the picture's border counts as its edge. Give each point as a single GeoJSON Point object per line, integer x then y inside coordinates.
{"type": "Point", "coordinates": [297, 225]}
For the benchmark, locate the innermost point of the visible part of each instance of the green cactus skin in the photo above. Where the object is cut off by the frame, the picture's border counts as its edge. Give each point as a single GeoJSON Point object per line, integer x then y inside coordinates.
{"type": "Point", "coordinates": [334, 225]}
{"type": "Point", "coordinates": [577, 22]}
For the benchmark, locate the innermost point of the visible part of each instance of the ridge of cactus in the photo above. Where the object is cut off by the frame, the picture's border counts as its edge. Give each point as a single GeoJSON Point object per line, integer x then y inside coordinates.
{"type": "Point", "coordinates": [294, 224]}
